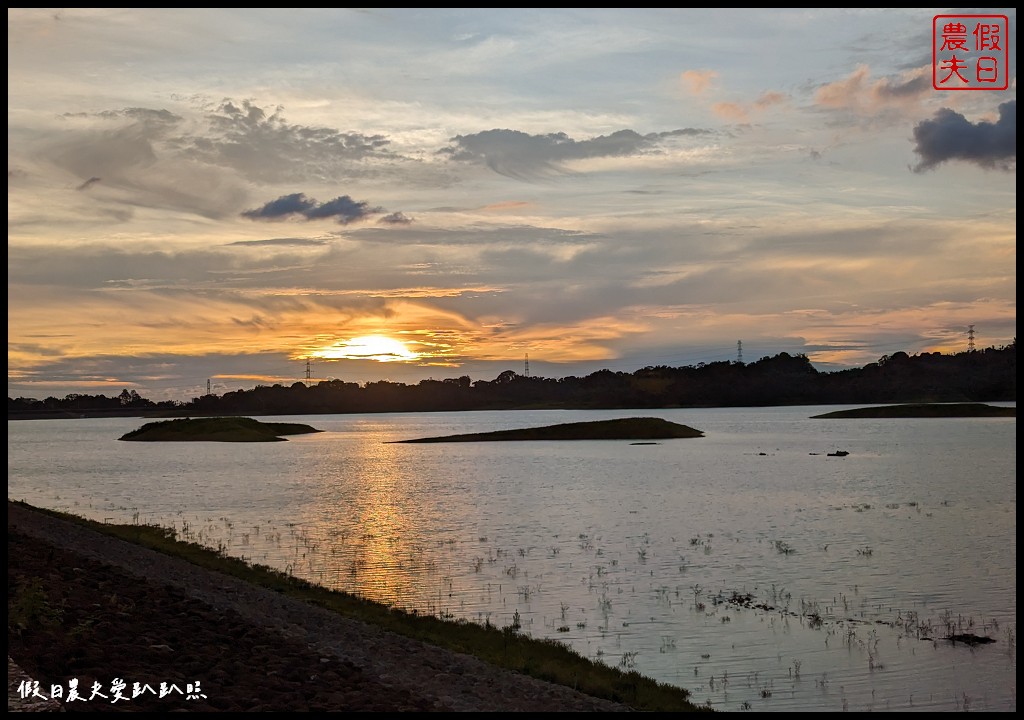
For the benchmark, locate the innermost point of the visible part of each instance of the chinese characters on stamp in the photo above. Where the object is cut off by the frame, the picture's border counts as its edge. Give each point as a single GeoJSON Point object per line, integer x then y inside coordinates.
{"type": "Point", "coordinates": [970, 52]}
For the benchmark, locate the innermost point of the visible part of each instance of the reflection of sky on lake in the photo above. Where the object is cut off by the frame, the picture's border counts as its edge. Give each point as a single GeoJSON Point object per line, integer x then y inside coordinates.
{"type": "Point", "coordinates": [627, 552]}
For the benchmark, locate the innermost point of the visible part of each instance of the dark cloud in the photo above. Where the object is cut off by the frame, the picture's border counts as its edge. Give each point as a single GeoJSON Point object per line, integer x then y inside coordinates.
{"type": "Point", "coordinates": [344, 208]}
{"type": "Point", "coordinates": [294, 204]}
{"type": "Point", "coordinates": [519, 155]}
{"type": "Point", "coordinates": [395, 218]}
{"type": "Point", "coordinates": [951, 136]}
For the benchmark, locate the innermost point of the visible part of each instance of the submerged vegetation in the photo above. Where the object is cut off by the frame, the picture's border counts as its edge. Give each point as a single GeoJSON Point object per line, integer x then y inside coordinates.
{"type": "Point", "coordinates": [637, 428]}
{"type": "Point", "coordinates": [218, 429]}
{"type": "Point", "coordinates": [505, 647]}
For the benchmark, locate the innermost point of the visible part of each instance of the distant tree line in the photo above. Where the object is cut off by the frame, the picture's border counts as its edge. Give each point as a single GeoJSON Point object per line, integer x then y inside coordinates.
{"type": "Point", "coordinates": [129, 402]}
{"type": "Point", "coordinates": [987, 375]}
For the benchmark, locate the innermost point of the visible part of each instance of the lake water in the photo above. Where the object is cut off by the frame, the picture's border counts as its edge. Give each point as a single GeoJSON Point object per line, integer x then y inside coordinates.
{"type": "Point", "coordinates": [748, 566]}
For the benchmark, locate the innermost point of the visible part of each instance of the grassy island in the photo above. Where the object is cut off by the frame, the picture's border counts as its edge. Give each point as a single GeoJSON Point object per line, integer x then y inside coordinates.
{"type": "Point", "coordinates": [924, 410]}
{"type": "Point", "coordinates": [620, 429]}
{"type": "Point", "coordinates": [217, 429]}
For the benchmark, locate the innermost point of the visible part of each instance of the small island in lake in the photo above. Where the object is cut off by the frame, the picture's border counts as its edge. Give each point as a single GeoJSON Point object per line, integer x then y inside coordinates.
{"type": "Point", "coordinates": [619, 429]}
{"type": "Point", "coordinates": [217, 429]}
{"type": "Point", "coordinates": [924, 410]}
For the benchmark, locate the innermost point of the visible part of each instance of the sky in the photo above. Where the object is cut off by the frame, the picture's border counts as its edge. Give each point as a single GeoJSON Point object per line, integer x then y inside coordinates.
{"type": "Point", "coordinates": [256, 196]}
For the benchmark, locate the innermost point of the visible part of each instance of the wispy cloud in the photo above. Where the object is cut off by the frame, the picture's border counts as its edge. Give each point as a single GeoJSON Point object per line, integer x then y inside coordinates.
{"type": "Point", "coordinates": [264, 146]}
{"type": "Point", "coordinates": [88, 183]}
{"type": "Point", "coordinates": [745, 112]}
{"type": "Point", "coordinates": [282, 242]}
{"type": "Point", "coordinates": [523, 156]}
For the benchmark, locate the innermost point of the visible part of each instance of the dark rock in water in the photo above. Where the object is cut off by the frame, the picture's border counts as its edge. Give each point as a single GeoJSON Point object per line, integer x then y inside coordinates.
{"type": "Point", "coordinates": [970, 639]}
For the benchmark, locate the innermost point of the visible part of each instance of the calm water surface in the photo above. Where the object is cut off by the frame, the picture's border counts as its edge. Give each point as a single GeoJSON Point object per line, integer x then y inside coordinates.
{"type": "Point", "coordinates": [747, 566]}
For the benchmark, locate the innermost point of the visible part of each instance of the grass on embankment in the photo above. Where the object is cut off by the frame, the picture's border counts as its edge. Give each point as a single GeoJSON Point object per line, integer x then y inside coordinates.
{"type": "Point", "coordinates": [548, 660]}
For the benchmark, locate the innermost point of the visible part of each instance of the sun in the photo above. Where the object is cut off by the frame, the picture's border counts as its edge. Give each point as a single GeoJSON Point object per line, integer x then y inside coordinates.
{"type": "Point", "coordinates": [368, 347]}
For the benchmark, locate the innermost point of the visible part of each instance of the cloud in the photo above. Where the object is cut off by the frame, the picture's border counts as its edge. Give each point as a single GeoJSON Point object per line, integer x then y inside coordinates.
{"type": "Point", "coordinates": [344, 208]}
{"type": "Point", "coordinates": [505, 205]}
{"type": "Point", "coordinates": [733, 112]}
{"type": "Point", "coordinates": [395, 218]}
{"type": "Point", "coordinates": [743, 112]}
{"type": "Point", "coordinates": [951, 136]}
{"type": "Point", "coordinates": [281, 242]}
{"type": "Point", "coordinates": [91, 181]}
{"type": "Point", "coordinates": [522, 156]}
{"type": "Point", "coordinates": [128, 157]}
{"type": "Point", "coordinates": [294, 204]}
{"type": "Point", "coordinates": [114, 147]}
{"type": "Point", "coordinates": [858, 93]}
{"type": "Point", "coordinates": [768, 99]}
{"type": "Point", "coordinates": [262, 145]}
{"type": "Point", "coordinates": [698, 81]}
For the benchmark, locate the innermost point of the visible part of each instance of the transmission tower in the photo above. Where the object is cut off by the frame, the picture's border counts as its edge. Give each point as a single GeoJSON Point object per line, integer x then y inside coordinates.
{"type": "Point", "coordinates": [739, 351]}
{"type": "Point", "coordinates": [970, 338]}
{"type": "Point", "coordinates": [526, 370]}
{"type": "Point", "coordinates": [309, 371]}
{"type": "Point", "coordinates": [208, 386]}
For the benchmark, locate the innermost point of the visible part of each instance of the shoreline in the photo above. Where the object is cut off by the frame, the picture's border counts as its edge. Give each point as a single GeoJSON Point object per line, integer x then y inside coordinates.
{"type": "Point", "coordinates": [89, 606]}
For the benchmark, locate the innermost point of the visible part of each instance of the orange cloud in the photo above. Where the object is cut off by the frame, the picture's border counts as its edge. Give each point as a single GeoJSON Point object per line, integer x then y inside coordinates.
{"type": "Point", "coordinates": [768, 99]}
{"type": "Point", "coordinates": [698, 81]}
{"type": "Point", "coordinates": [736, 112]}
{"type": "Point", "coordinates": [857, 92]}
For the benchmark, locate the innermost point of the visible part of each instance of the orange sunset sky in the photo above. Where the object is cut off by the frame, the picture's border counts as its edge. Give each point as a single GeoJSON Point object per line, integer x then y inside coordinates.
{"type": "Point", "coordinates": [401, 193]}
